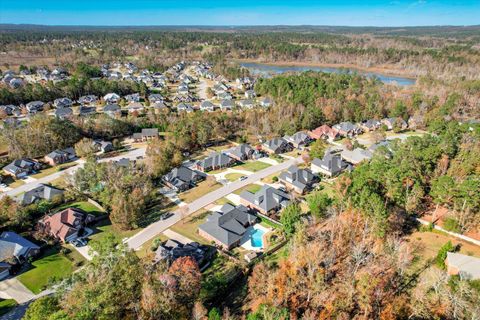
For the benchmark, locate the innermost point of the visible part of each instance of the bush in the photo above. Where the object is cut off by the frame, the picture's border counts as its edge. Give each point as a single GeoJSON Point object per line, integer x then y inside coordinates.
{"type": "Point", "coordinates": [442, 254]}
{"type": "Point", "coordinates": [452, 225]}
{"type": "Point", "coordinates": [275, 179]}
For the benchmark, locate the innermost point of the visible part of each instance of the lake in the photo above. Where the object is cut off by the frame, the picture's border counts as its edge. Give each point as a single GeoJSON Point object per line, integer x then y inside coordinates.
{"type": "Point", "coordinates": [268, 70]}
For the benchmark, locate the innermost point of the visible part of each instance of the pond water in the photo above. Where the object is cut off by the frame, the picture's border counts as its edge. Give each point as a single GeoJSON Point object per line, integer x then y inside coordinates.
{"type": "Point", "coordinates": [269, 70]}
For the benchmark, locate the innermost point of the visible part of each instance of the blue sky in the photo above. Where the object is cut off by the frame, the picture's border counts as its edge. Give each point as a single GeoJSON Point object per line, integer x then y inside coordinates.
{"type": "Point", "coordinates": [241, 12]}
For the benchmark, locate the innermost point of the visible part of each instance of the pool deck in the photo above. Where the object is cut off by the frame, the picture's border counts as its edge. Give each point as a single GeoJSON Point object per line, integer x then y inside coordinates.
{"type": "Point", "coordinates": [246, 242]}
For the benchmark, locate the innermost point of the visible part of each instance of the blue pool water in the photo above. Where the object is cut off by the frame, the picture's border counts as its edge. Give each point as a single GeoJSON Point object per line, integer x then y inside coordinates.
{"type": "Point", "coordinates": [266, 70]}
{"type": "Point", "coordinates": [256, 237]}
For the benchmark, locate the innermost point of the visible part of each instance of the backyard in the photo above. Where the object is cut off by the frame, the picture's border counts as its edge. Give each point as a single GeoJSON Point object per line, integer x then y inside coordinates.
{"type": "Point", "coordinates": [85, 206]}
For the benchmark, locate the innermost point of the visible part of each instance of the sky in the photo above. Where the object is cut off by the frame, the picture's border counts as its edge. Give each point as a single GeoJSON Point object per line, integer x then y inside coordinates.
{"type": "Point", "coordinates": [241, 12]}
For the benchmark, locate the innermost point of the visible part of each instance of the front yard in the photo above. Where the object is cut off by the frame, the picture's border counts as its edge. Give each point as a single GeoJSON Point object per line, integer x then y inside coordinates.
{"type": "Point", "coordinates": [233, 176]}
{"type": "Point", "coordinates": [253, 166]}
{"type": "Point", "coordinates": [52, 170]}
{"type": "Point", "coordinates": [253, 188]}
{"type": "Point", "coordinates": [201, 189]}
{"type": "Point", "coordinates": [188, 227]}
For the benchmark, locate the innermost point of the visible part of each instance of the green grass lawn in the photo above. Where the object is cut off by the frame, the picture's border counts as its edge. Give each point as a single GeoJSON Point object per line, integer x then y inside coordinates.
{"type": "Point", "coordinates": [85, 206]}
{"type": "Point", "coordinates": [52, 265]}
{"type": "Point", "coordinates": [188, 227]}
{"type": "Point", "coordinates": [270, 179]}
{"type": "Point", "coordinates": [103, 228]}
{"type": "Point", "coordinates": [201, 189]}
{"type": "Point", "coordinates": [223, 201]}
{"type": "Point", "coordinates": [251, 188]}
{"type": "Point", "coordinates": [233, 176]}
{"type": "Point", "coordinates": [253, 166]}
{"type": "Point", "coordinates": [146, 249]}
{"type": "Point", "coordinates": [328, 189]}
{"type": "Point", "coordinates": [51, 170]}
{"type": "Point", "coordinates": [6, 305]}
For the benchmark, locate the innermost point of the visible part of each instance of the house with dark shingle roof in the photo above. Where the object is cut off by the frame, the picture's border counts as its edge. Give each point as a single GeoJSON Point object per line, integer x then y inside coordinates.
{"type": "Point", "coordinates": [88, 99]}
{"type": "Point", "coordinates": [103, 146]}
{"type": "Point", "coordinates": [63, 113]}
{"type": "Point", "coordinates": [277, 146]}
{"type": "Point", "coordinates": [207, 106]}
{"type": "Point", "coordinates": [299, 180]}
{"type": "Point", "coordinates": [60, 156]}
{"type": "Point", "coordinates": [14, 247]}
{"type": "Point", "coordinates": [21, 167]}
{"type": "Point", "coordinates": [226, 105]}
{"type": "Point", "coordinates": [227, 226]}
{"type": "Point", "coordinates": [112, 110]}
{"type": "Point", "coordinates": [183, 178]}
{"type": "Point", "coordinates": [265, 200]}
{"type": "Point", "coordinates": [299, 140]}
{"type": "Point", "coordinates": [146, 134]}
{"type": "Point", "coordinates": [241, 152]}
{"type": "Point", "coordinates": [42, 192]}
{"type": "Point", "coordinates": [62, 102]}
{"type": "Point", "coordinates": [171, 250]}
{"type": "Point", "coordinates": [331, 165]}
{"type": "Point", "coordinates": [347, 129]}
{"type": "Point", "coordinates": [215, 161]}
{"type": "Point", "coordinates": [370, 125]}
{"type": "Point", "coordinates": [155, 98]}
{"type": "Point", "coordinates": [34, 106]}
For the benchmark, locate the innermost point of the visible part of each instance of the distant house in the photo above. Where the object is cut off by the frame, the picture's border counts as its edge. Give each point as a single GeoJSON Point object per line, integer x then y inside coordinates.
{"type": "Point", "coordinates": [184, 107]}
{"type": "Point", "coordinates": [466, 267]}
{"type": "Point", "coordinates": [374, 147]}
{"type": "Point", "coordinates": [86, 111]}
{"type": "Point", "coordinates": [277, 146]}
{"type": "Point", "coordinates": [215, 161]}
{"type": "Point", "coordinates": [265, 102]}
{"type": "Point", "coordinates": [66, 225]}
{"type": "Point", "coordinates": [63, 113]}
{"type": "Point", "coordinates": [324, 132]}
{"type": "Point", "coordinates": [171, 250]}
{"type": "Point", "coordinates": [416, 122]}
{"type": "Point", "coordinates": [60, 156]}
{"type": "Point", "coordinates": [397, 122]}
{"type": "Point", "coordinates": [250, 94]}
{"type": "Point", "coordinates": [299, 180]}
{"type": "Point", "coordinates": [62, 103]}
{"type": "Point", "coordinates": [246, 104]}
{"type": "Point", "coordinates": [87, 100]}
{"type": "Point", "coordinates": [135, 107]}
{"type": "Point", "coordinates": [14, 249]}
{"type": "Point", "coordinates": [183, 178]}
{"type": "Point", "coordinates": [227, 227]}
{"type": "Point", "coordinates": [267, 199]}
{"type": "Point", "coordinates": [21, 167]}
{"type": "Point", "coordinates": [112, 110]}
{"type": "Point", "coordinates": [34, 106]}
{"type": "Point", "coordinates": [347, 129]}
{"type": "Point", "coordinates": [42, 192]}
{"type": "Point", "coordinates": [331, 165]}
{"type": "Point", "coordinates": [103, 146]}
{"type": "Point", "coordinates": [370, 125]}
{"type": "Point", "coordinates": [146, 134]}
{"type": "Point", "coordinates": [226, 105]}
{"type": "Point", "coordinates": [299, 140]}
{"type": "Point", "coordinates": [134, 97]}
{"type": "Point", "coordinates": [241, 152]}
{"type": "Point", "coordinates": [356, 156]}
{"type": "Point", "coordinates": [224, 96]}
{"type": "Point", "coordinates": [155, 98]}
{"type": "Point", "coordinates": [159, 107]}
{"type": "Point", "coordinates": [207, 106]}
{"type": "Point", "coordinates": [111, 98]}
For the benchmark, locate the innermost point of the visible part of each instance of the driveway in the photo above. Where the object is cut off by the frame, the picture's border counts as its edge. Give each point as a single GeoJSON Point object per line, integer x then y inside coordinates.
{"type": "Point", "coordinates": [152, 230]}
{"type": "Point", "coordinates": [14, 289]}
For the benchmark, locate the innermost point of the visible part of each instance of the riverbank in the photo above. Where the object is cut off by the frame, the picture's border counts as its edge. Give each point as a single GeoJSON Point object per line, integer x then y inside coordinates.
{"type": "Point", "coordinates": [384, 70]}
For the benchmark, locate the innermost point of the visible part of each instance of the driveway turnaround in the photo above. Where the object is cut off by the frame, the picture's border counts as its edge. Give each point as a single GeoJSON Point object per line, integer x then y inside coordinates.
{"type": "Point", "coordinates": [136, 241]}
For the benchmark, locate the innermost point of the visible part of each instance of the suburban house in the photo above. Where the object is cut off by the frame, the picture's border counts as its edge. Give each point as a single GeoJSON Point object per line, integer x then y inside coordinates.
{"type": "Point", "coordinates": [86, 111]}
{"type": "Point", "coordinates": [42, 192]}
{"type": "Point", "coordinates": [466, 267]}
{"type": "Point", "coordinates": [171, 250]}
{"type": "Point", "coordinates": [207, 106]}
{"type": "Point", "coordinates": [103, 146]}
{"type": "Point", "coordinates": [241, 152]}
{"type": "Point", "coordinates": [112, 110]}
{"type": "Point", "coordinates": [347, 129]}
{"type": "Point", "coordinates": [87, 100]}
{"type": "Point", "coordinates": [227, 226]}
{"type": "Point", "coordinates": [397, 122]}
{"type": "Point", "coordinates": [134, 97]}
{"type": "Point", "coordinates": [265, 102]}
{"type": "Point", "coordinates": [215, 161]}
{"type": "Point", "coordinates": [63, 113]}
{"type": "Point", "coordinates": [331, 165]}
{"type": "Point", "coordinates": [246, 104]}
{"type": "Point", "coordinates": [155, 98]}
{"type": "Point", "coordinates": [34, 106]}
{"type": "Point", "coordinates": [60, 156]}
{"type": "Point", "coordinates": [385, 143]}
{"type": "Point", "coordinates": [356, 156]}
{"type": "Point", "coordinates": [146, 134]}
{"type": "Point", "coordinates": [277, 146]}
{"type": "Point", "coordinates": [224, 96]}
{"type": "Point", "coordinates": [21, 167]}
{"type": "Point", "coordinates": [299, 140]}
{"type": "Point", "coordinates": [135, 107]}
{"type": "Point", "coordinates": [226, 105]}
{"type": "Point", "coordinates": [250, 94]}
{"type": "Point", "coordinates": [324, 132]}
{"type": "Point", "coordinates": [184, 107]}
{"type": "Point", "coordinates": [111, 98]}
{"type": "Point", "coordinates": [267, 199]}
{"type": "Point", "coordinates": [66, 225]}
{"type": "Point", "coordinates": [158, 106]}
{"type": "Point", "coordinates": [182, 178]}
{"type": "Point", "coordinates": [370, 125]}
{"type": "Point", "coordinates": [299, 180]}
{"type": "Point", "coordinates": [14, 249]}
{"type": "Point", "coordinates": [62, 103]}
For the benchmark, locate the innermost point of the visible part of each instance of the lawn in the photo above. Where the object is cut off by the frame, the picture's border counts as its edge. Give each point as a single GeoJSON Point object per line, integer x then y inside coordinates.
{"type": "Point", "coordinates": [85, 206]}
{"type": "Point", "coordinates": [328, 189]}
{"type": "Point", "coordinates": [146, 249]}
{"type": "Point", "coordinates": [201, 189]}
{"type": "Point", "coordinates": [52, 170]}
{"type": "Point", "coordinates": [253, 166]}
{"type": "Point", "coordinates": [188, 227]}
{"type": "Point", "coordinates": [223, 201]}
{"type": "Point", "coordinates": [251, 188]}
{"type": "Point", "coordinates": [51, 266]}
{"type": "Point", "coordinates": [6, 305]}
{"type": "Point", "coordinates": [233, 176]}
{"type": "Point", "coordinates": [103, 228]}
{"type": "Point", "coordinates": [270, 178]}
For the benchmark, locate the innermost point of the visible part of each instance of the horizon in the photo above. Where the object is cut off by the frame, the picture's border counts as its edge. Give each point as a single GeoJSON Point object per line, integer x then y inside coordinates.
{"type": "Point", "coordinates": [209, 13]}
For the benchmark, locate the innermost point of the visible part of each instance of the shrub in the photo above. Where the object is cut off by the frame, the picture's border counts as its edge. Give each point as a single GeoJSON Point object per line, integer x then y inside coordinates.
{"type": "Point", "coordinates": [442, 254]}
{"type": "Point", "coordinates": [452, 225]}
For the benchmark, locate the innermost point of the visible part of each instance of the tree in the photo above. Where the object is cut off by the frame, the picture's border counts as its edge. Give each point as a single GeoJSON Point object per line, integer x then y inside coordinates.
{"type": "Point", "coordinates": [127, 209]}
{"type": "Point", "coordinates": [84, 148]}
{"type": "Point", "coordinates": [318, 202]}
{"type": "Point", "coordinates": [317, 149]}
{"type": "Point", "coordinates": [289, 218]}
{"type": "Point", "coordinates": [45, 308]}
{"type": "Point", "coordinates": [442, 254]}
{"type": "Point", "coordinates": [214, 314]}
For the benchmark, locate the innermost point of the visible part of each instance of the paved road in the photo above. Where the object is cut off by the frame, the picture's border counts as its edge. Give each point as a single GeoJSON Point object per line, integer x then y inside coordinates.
{"type": "Point", "coordinates": [136, 241]}
{"type": "Point", "coordinates": [132, 154]}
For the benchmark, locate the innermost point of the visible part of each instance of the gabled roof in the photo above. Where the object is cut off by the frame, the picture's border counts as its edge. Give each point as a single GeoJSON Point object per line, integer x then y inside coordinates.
{"type": "Point", "coordinates": [20, 164]}
{"type": "Point", "coordinates": [346, 126]}
{"type": "Point", "coordinates": [356, 156]}
{"type": "Point", "coordinates": [14, 245]}
{"type": "Point", "coordinates": [275, 143]}
{"type": "Point", "coordinates": [240, 151]}
{"type": "Point", "coordinates": [112, 108]}
{"type": "Point", "coordinates": [300, 178]}
{"type": "Point", "coordinates": [216, 159]}
{"type": "Point", "coordinates": [182, 176]}
{"type": "Point", "coordinates": [331, 163]}
{"type": "Point", "coordinates": [267, 198]}
{"type": "Point", "coordinates": [42, 192]}
{"type": "Point", "coordinates": [467, 266]}
{"type": "Point", "coordinates": [64, 223]}
{"type": "Point", "coordinates": [298, 138]}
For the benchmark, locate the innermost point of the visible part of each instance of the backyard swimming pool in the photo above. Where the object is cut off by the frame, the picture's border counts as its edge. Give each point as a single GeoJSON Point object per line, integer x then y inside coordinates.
{"type": "Point", "coordinates": [256, 238]}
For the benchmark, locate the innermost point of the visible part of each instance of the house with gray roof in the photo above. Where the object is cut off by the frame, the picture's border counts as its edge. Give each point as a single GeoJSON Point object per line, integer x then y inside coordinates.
{"type": "Point", "coordinates": [467, 267]}
{"type": "Point", "coordinates": [21, 167]}
{"type": "Point", "coordinates": [266, 200]}
{"type": "Point", "coordinates": [370, 125]}
{"type": "Point", "coordinates": [103, 146]}
{"type": "Point", "coordinates": [171, 250]}
{"type": "Point", "coordinates": [347, 129]}
{"type": "Point", "coordinates": [241, 152]}
{"type": "Point", "coordinates": [396, 122]}
{"type": "Point", "coordinates": [184, 107]}
{"type": "Point", "coordinates": [146, 134]}
{"type": "Point", "coordinates": [299, 180]}
{"type": "Point", "coordinates": [134, 97]}
{"type": "Point", "coordinates": [112, 110]}
{"type": "Point", "coordinates": [207, 106]}
{"type": "Point", "coordinates": [155, 98]}
{"type": "Point", "coordinates": [60, 156]}
{"type": "Point", "coordinates": [227, 226]}
{"type": "Point", "coordinates": [88, 99]}
{"type": "Point", "coordinates": [183, 178]}
{"type": "Point", "coordinates": [62, 102]}
{"type": "Point", "coordinates": [84, 110]}
{"type": "Point", "coordinates": [34, 106]}
{"type": "Point", "coordinates": [14, 248]}
{"type": "Point", "coordinates": [356, 156]}
{"type": "Point", "coordinates": [215, 161]}
{"type": "Point", "coordinates": [250, 94]}
{"type": "Point", "coordinates": [111, 98]}
{"type": "Point", "coordinates": [299, 140]}
{"type": "Point", "coordinates": [63, 113]}
{"type": "Point", "coordinates": [226, 105]}
{"type": "Point", "coordinates": [331, 165]}
{"type": "Point", "coordinates": [42, 192]}
{"type": "Point", "coordinates": [246, 104]}
{"type": "Point", "coordinates": [277, 146]}
{"type": "Point", "coordinates": [224, 96]}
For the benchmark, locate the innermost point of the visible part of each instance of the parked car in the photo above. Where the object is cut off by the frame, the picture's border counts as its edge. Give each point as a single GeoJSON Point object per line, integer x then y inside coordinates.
{"type": "Point", "coordinates": [166, 216]}
{"type": "Point", "coordinates": [243, 178]}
